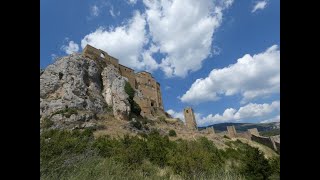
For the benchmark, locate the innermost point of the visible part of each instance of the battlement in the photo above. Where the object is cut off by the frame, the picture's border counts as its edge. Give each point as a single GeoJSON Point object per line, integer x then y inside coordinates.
{"type": "Point", "coordinates": [143, 81]}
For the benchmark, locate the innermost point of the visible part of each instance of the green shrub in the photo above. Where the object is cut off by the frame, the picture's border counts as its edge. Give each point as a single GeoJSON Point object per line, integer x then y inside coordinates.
{"type": "Point", "coordinates": [275, 165]}
{"type": "Point", "coordinates": [135, 108]}
{"type": "Point", "coordinates": [172, 133]}
{"type": "Point", "coordinates": [162, 119]}
{"type": "Point", "coordinates": [67, 112]}
{"type": "Point", "coordinates": [136, 124]}
{"type": "Point", "coordinates": [255, 165]}
{"type": "Point", "coordinates": [46, 123]}
{"type": "Point", "coordinates": [225, 136]}
{"type": "Point", "coordinates": [78, 155]}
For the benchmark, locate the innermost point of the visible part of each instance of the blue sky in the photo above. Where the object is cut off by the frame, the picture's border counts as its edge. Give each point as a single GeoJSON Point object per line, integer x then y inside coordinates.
{"type": "Point", "coordinates": [221, 57]}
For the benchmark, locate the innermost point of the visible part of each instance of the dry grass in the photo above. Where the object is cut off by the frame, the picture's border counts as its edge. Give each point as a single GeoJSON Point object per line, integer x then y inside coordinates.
{"type": "Point", "coordinates": [115, 128]}
{"type": "Point", "coordinates": [268, 152]}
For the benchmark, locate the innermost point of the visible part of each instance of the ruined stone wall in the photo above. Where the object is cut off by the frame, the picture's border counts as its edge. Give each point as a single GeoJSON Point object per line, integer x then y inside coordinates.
{"type": "Point", "coordinates": [150, 100]}
{"type": "Point", "coordinates": [246, 135]}
{"type": "Point", "coordinates": [91, 52]}
{"type": "Point", "coordinates": [254, 131]}
{"type": "Point", "coordinates": [128, 73]}
{"type": "Point", "coordinates": [232, 133]}
{"type": "Point", "coordinates": [190, 119]}
{"type": "Point", "coordinates": [159, 97]}
{"type": "Point", "coordinates": [99, 55]}
{"type": "Point", "coordinates": [148, 86]}
{"type": "Point", "coordinates": [267, 141]}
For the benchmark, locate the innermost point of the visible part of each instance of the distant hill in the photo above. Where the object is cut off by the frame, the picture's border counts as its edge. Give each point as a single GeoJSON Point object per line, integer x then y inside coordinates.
{"type": "Point", "coordinates": [272, 128]}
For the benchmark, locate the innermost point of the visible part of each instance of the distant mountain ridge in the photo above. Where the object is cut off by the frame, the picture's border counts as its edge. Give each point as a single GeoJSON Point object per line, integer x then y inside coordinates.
{"type": "Point", "coordinates": [241, 127]}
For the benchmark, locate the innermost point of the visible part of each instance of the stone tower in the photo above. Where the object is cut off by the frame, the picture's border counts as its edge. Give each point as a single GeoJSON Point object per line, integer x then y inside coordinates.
{"type": "Point", "coordinates": [231, 131]}
{"type": "Point", "coordinates": [190, 119]}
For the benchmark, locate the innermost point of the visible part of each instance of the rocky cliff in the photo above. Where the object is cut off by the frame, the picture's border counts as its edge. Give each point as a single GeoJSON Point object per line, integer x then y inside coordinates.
{"type": "Point", "coordinates": [74, 89]}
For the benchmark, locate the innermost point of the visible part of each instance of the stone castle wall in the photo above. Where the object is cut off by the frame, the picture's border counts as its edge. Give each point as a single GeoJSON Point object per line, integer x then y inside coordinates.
{"type": "Point", "coordinates": [150, 100]}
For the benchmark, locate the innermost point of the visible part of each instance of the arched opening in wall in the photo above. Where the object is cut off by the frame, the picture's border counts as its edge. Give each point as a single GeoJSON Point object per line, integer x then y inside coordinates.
{"type": "Point", "coordinates": [187, 111]}
{"type": "Point", "coordinates": [152, 103]}
{"type": "Point", "coordinates": [102, 55]}
{"type": "Point", "coordinates": [149, 82]}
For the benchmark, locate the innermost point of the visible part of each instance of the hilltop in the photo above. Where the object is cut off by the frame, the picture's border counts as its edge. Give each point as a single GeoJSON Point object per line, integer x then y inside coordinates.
{"type": "Point", "coordinates": [96, 114]}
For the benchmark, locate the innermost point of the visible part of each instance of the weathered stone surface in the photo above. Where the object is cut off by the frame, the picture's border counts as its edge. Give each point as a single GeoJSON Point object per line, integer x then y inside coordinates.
{"type": "Point", "coordinates": [114, 93]}
{"type": "Point", "coordinates": [72, 82]}
{"type": "Point", "coordinates": [121, 105]}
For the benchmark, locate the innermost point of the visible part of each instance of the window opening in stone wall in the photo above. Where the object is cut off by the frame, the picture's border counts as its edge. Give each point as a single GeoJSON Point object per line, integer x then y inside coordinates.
{"type": "Point", "coordinates": [102, 55]}
{"type": "Point", "coordinates": [187, 111]}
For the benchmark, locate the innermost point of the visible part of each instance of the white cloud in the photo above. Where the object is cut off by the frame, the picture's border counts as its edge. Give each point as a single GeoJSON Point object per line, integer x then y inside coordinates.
{"type": "Point", "coordinates": [124, 42]}
{"type": "Point", "coordinates": [176, 114]}
{"type": "Point", "coordinates": [71, 48]}
{"type": "Point", "coordinates": [252, 77]}
{"type": "Point", "coordinates": [274, 119]}
{"type": "Point", "coordinates": [111, 11]}
{"type": "Point", "coordinates": [167, 88]}
{"type": "Point", "coordinates": [259, 5]}
{"type": "Point", "coordinates": [183, 30]}
{"type": "Point", "coordinates": [132, 1]}
{"type": "Point", "coordinates": [180, 115]}
{"type": "Point", "coordinates": [94, 10]}
{"type": "Point", "coordinates": [248, 111]}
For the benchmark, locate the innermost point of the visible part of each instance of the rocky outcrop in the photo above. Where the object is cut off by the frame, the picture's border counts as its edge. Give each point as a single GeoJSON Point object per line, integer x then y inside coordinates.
{"type": "Point", "coordinates": [114, 92]}
{"type": "Point", "coordinates": [74, 89]}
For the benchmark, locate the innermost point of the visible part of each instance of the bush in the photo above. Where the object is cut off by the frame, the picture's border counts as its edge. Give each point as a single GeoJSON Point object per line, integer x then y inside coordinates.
{"type": "Point", "coordinates": [255, 166]}
{"type": "Point", "coordinates": [275, 165]}
{"type": "Point", "coordinates": [66, 112]}
{"type": "Point", "coordinates": [135, 108]}
{"type": "Point", "coordinates": [172, 133]}
{"type": "Point", "coordinates": [162, 119]}
{"type": "Point", "coordinates": [136, 124]}
{"type": "Point", "coordinates": [225, 136]}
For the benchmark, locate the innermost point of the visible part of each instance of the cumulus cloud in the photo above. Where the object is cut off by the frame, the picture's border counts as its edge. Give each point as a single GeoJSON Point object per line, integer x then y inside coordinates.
{"type": "Point", "coordinates": [259, 5]}
{"type": "Point", "coordinates": [248, 111]}
{"type": "Point", "coordinates": [176, 114]}
{"type": "Point", "coordinates": [180, 115]}
{"type": "Point", "coordinates": [71, 48]}
{"type": "Point", "coordinates": [274, 119]}
{"type": "Point", "coordinates": [94, 10]}
{"type": "Point", "coordinates": [252, 77]}
{"type": "Point", "coordinates": [132, 1]}
{"type": "Point", "coordinates": [124, 42]}
{"type": "Point", "coordinates": [183, 30]}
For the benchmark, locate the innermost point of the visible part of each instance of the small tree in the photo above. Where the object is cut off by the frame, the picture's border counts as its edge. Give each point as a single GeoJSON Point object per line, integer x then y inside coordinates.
{"type": "Point", "coordinates": [255, 165]}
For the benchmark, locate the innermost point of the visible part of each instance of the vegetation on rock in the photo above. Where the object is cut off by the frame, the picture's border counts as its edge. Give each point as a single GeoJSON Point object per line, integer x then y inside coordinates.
{"type": "Point", "coordinates": [135, 108]}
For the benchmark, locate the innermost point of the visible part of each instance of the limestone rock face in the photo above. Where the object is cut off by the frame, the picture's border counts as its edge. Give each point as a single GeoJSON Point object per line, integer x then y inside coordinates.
{"type": "Point", "coordinates": [72, 82]}
{"type": "Point", "coordinates": [114, 93]}
{"type": "Point", "coordinates": [121, 105]}
{"type": "Point", "coordinates": [74, 89]}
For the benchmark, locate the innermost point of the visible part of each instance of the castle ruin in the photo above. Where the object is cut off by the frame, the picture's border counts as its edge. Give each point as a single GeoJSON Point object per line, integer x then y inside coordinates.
{"type": "Point", "coordinates": [190, 119]}
{"type": "Point", "coordinates": [149, 98]}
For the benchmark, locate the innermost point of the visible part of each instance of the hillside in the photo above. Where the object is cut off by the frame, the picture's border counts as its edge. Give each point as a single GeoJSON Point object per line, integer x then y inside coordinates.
{"type": "Point", "coordinates": [92, 127]}
{"type": "Point", "coordinates": [272, 128]}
